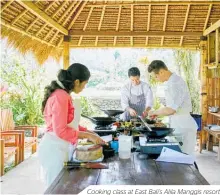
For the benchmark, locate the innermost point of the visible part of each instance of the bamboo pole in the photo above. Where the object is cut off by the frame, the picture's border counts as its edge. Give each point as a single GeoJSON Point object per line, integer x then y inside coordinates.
{"type": "Point", "coordinates": [66, 52]}
{"type": "Point", "coordinates": [204, 102]}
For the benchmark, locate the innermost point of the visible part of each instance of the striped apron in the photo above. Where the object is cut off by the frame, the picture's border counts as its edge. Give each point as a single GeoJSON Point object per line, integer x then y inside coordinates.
{"type": "Point", "coordinates": [136, 102]}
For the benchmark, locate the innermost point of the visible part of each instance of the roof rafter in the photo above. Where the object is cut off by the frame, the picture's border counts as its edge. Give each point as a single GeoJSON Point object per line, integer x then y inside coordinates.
{"type": "Point", "coordinates": [32, 23]}
{"type": "Point", "coordinates": [101, 19]}
{"type": "Point", "coordinates": [54, 36]}
{"type": "Point", "coordinates": [212, 28]}
{"type": "Point", "coordinates": [19, 16]}
{"type": "Point", "coordinates": [67, 11]}
{"type": "Point", "coordinates": [77, 14]}
{"type": "Point", "coordinates": [148, 19]}
{"type": "Point", "coordinates": [156, 3]}
{"type": "Point", "coordinates": [42, 15]}
{"type": "Point", "coordinates": [71, 13]}
{"type": "Point", "coordinates": [207, 17]}
{"type": "Point", "coordinates": [48, 34]}
{"type": "Point", "coordinates": [164, 23]}
{"type": "Point", "coordinates": [119, 16]}
{"type": "Point", "coordinates": [42, 27]}
{"type": "Point", "coordinates": [132, 17]}
{"type": "Point", "coordinates": [146, 42]}
{"type": "Point", "coordinates": [185, 23]}
{"type": "Point", "coordinates": [49, 6]}
{"type": "Point", "coordinates": [87, 19]}
{"type": "Point", "coordinates": [129, 33]}
{"type": "Point", "coordinates": [6, 5]}
{"type": "Point", "coordinates": [57, 11]}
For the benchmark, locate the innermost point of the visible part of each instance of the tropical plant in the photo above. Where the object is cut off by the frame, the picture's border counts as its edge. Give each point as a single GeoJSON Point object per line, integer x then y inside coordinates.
{"type": "Point", "coordinates": [185, 61]}
{"type": "Point", "coordinates": [24, 93]}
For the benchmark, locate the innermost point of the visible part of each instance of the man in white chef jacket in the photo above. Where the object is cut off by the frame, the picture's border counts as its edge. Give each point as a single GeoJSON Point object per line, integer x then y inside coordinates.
{"type": "Point", "coordinates": [136, 96]}
{"type": "Point", "coordinates": [178, 105]}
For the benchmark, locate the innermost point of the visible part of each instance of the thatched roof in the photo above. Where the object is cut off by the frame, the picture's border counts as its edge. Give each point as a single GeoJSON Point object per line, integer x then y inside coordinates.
{"type": "Point", "coordinates": [40, 25]}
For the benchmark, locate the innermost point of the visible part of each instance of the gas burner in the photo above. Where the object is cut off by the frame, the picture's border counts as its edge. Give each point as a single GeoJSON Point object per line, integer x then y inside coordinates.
{"type": "Point", "coordinates": [156, 140]}
{"type": "Point", "coordinates": [100, 127]}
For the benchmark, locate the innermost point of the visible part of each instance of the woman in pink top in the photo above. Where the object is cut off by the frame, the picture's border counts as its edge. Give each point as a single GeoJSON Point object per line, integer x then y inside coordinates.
{"type": "Point", "coordinates": [63, 129]}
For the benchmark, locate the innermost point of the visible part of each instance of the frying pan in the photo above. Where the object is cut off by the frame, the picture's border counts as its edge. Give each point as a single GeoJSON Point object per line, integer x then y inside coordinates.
{"type": "Point", "coordinates": [157, 132]}
{"type": "Point", "coordinates": [102, 121]}
{"type": "Point", "coordinates": [110, 113]}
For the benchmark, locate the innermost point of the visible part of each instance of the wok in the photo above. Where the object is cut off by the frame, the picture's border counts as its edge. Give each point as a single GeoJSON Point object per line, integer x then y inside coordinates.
{"type": "Point", "coordinates": [157, 132]}
{"type": "Point", "coordinates": [112, 112]}
{"type": "Point", "coordinates": [101, 121]}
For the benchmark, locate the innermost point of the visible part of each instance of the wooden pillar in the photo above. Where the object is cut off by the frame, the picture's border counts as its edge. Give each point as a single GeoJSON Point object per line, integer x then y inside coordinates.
{"type": "Point", "coordinates": [66, 52]}
{"type": "Point", "coordinates": [204, 103]}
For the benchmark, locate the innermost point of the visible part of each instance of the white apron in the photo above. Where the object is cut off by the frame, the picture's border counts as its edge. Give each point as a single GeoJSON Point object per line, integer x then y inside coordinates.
{"type": "Point", "coordinates": [54, 151]}
{"type": "Point", "coordinates": [136, 102]}
{"type": "Point", "coordinates": [185, 128]}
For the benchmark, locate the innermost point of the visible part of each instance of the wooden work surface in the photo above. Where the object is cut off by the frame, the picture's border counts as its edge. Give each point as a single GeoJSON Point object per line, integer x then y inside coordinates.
{"type": "Point", "coordinates": [134, 171]}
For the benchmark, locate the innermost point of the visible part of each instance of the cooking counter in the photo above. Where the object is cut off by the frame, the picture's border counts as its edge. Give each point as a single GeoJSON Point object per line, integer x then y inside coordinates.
{"type": "Point", "coordinates": [134, 171]}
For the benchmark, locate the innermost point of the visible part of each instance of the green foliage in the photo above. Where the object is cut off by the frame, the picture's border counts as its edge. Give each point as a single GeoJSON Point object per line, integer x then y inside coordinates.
{"type": "Point", "coordinates": [185, 63]}
{"type": "Point", "coordinates": [24, 94]}
{"type": "Point", "coordinates": [87, 108]}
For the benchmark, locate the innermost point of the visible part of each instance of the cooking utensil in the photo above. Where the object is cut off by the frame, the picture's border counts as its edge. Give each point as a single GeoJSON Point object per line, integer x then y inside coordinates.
{"type": "Point", "coordinates": [110, 113]}
{"type": "Point", "coordinates": [102, 121]}
{"type": "Point", "coordinates": [90, 165]}
{"type": "Point", "coordinates": [145, 124]}
{"type": "Point", "coordinates": [157, 132]}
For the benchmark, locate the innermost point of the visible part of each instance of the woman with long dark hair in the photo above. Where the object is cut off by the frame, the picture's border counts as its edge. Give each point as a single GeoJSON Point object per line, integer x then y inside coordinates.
{"type": "Point", "coordinates": [62, 123]}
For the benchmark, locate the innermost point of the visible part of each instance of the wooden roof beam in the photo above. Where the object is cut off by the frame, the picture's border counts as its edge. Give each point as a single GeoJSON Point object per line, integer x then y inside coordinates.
{"type": "Point", "coordinates": [185, 23]}
{"type": "Point", "coordinates": [71, 13]}
{"type": "Point", "coordinates": [87, 19]}
{"type": "Point", "coordinates": [40, 30]}
{"type": "Point", "coordinates": [57, 11]}
{"type": "Point", "coordinates": [146, 42]}
{"type": "Point", "coordinates": [67, 11]}
{"type": "Point", "coordinates": [42, 15]}
{"type": "Point", "coordinates": [54, 36]}
{"type": "Point", "coordinates": [119, 16]}
{"type": "Point", "coordinates": [24, 33]}
{"type": "Point", "coordinates": [19, 16]}
{"type": "Point", "coordinates": [32, 23]}
{"type": "Point", "coordinates": [134, 33]}
{"type": "Point", "coordinates": [48, 34]}
{"type": "Point", "coordinates": [181, 41]}
{"type": "Point", "coordinates": [156, 3]}
{"type": "Point", "coordinates": [211, 28]}
{"type": "Point", "coordinates": [49, 6]}
{"type": "Point", "coordinates": [96, 41]}
{"type": "Point", "coordinates": [207, 17]}
{"type": "Point", "coordinates": [60, 41]}
{"type": "Point", "coordinates": [115, 41]}
{"type": "Point", "coordinates": [101, 19]}
{"type": "Point", "coordinates": [164, 23]}
{"type": "Point", "coordinates": [148, 19]}
{"type": "Point", "coordinates": [132, 17]}
{"type": "Point", "coordinates": [77, 14]}
{"type": "Point", "coordinates": [6, 5]}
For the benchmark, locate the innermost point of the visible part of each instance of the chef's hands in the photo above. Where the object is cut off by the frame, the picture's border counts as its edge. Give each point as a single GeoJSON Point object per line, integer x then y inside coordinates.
{"type": "Point", "coordinates": [91, 137]}
{"type": "Point", "coordinates": [96, 139]}
{"type": "Point", "coordinates": [132, 112]}
{"type": "Point", "coordinates": [152, 114]}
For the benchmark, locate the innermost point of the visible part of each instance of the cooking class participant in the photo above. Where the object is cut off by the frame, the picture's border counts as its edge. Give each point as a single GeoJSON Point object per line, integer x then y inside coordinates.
{"type": "Point", "coordinates": [62, 121]}
{"type": "Point", "coordinates": [178, 105]}
{"type": "Point", "coordinates": [136, 96]}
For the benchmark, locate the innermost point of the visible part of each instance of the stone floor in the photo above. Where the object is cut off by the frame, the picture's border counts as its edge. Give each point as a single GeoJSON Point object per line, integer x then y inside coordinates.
{"type": "Point", "coordinates": [26, 179]}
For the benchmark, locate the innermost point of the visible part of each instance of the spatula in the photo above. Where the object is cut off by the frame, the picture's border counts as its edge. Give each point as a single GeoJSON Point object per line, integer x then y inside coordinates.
{"type": "Point", "coordinates": [72, 165]}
